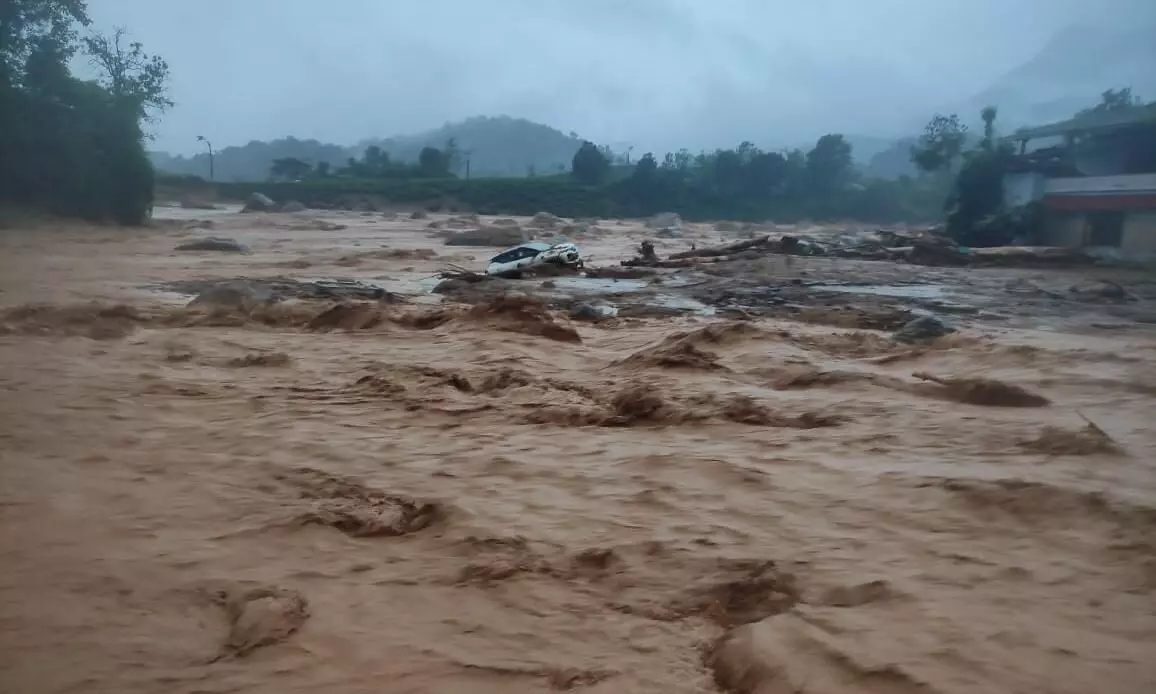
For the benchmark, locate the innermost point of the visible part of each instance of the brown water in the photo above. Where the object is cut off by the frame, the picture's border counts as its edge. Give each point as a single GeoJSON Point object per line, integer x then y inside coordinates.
{"type": "Point", "coordinates": [662, 506]}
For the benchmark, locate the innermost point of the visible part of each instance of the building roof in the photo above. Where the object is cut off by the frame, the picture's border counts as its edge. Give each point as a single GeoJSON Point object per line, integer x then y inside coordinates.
{"type": "Point", "coordinates": [1106, 120]}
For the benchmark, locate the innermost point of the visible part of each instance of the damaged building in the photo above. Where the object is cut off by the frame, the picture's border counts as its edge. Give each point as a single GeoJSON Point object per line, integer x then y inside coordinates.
{"type": "Point", "coordinates": [1093, 178]}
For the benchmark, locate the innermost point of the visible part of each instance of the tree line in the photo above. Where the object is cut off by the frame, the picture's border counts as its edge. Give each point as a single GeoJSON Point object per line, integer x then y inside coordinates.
{"type": "Point", "coordinates": [71, 146]}
{"type": "Point", "coordinates": [375, 162]}
{"type": "Point", "coordinates": [747, 182]}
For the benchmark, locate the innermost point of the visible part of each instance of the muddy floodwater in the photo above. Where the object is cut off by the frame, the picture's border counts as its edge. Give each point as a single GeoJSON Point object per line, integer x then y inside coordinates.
{"type": "Point", "coordinates": [732, 480]}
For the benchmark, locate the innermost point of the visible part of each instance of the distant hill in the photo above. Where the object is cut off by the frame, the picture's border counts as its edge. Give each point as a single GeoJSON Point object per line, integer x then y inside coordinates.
{"type": "Point", "coordinates": [495, 146]}
{"type": "Point", "coordinates": [250, 162]}
{"type": "Point", "coordinates": [498, 146]}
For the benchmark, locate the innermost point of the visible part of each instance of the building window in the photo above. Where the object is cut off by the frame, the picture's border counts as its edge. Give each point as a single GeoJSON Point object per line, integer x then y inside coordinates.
{"type": "Point", "coordinates": [1105, 228]}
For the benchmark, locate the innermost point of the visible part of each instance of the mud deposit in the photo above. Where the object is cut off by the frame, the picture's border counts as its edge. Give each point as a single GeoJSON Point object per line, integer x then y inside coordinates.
{"type": "Point", "coordinates": [323, 495]}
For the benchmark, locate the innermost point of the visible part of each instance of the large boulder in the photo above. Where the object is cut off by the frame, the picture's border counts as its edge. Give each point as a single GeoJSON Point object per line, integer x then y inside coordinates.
{"type": "Point", "coordinates": [922, 329]}
{"type": "Point", "coordinates": [545, 220]}
{"type": "Point", "coordinates": [488, 236]}
{"type": "Point", "coordinates": [214, 243]}
{"type": "Point", "coordinates": [236, 294]}
{"type": "Point", "coordinates": [258, 202]}
{"type": "Point", "coordinates": [465, 221]}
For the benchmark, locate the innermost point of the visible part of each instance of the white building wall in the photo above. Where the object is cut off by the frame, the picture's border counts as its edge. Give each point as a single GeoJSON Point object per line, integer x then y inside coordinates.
{"type": "Point", "coordinates": [1131, 183]}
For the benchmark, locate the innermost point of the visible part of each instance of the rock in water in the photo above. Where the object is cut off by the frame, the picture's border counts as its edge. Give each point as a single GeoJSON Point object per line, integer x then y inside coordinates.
{"type": "Point", "coordinates": [259, 203]}
{"type": "Point", "coordinates": [214, 243]}
{"type": "Point", "coordinates": [585, 311]}
{"type": "Point", "coordinates": [293, 206]}
{"type": "Point", "coordinates": [922, 329]}
{"type": "Point", "coordinates": [236, 294]}
{"type": "Point", "coordinates": [665, 220]}
{"type": "Point", "coordinates": [545, 220]}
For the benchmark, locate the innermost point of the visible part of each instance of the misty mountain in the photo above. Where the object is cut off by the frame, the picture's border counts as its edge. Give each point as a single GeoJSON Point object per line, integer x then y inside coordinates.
{"type": "Point", "coordinates": [494, 146]}
{"type": "Point", "coordinates": [1066, 76]}
{"type": "Point", "coordinates": [1069, 74]}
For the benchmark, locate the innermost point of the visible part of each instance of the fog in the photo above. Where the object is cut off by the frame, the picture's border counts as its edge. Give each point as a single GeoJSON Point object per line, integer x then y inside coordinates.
{"type": "Point", "coordinates": [657, 74]}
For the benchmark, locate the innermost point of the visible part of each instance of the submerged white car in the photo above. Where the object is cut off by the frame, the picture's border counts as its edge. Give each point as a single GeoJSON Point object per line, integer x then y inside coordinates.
{"type": "Point", "coordinates": [533, 254]}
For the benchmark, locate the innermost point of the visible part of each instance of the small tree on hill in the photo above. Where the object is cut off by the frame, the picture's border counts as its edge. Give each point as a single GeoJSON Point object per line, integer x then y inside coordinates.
{"type": "Point", "coordinates": [1114, 100]}
{"type": "Point", "coordinates": [433, 163]}
{"type": "Point", "coordinates": [646, 168]}
{"type": "Point", "coordinates": [590, 165]}
{"type": "Point", "coordinates": [290, 168]}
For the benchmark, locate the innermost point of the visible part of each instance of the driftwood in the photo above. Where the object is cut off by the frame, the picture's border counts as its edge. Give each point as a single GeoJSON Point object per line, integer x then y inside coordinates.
{"type": "Point", "coordinates": [729, 249]}
{"type": "Point", "coordinates": [680, 263]}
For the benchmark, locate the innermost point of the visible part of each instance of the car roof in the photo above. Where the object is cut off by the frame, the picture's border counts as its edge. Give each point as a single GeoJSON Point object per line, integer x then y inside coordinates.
{"type": "Point", "coordinates": [536, 245]}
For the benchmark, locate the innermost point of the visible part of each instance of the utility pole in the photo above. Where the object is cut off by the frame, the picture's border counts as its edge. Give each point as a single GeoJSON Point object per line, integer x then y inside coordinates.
{"type": "Point", "coordinates": [201, 138]}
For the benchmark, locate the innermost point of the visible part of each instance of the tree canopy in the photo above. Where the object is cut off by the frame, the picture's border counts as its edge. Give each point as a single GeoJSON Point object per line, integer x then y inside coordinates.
{"type": "Point", "coordinates": [71, 146]}
{"type": "Point", "coordinates": [590, 164]}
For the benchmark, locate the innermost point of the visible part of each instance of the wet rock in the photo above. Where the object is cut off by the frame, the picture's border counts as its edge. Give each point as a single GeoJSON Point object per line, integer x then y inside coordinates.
{"type": "Point", "coordinates": [1100, 289]}
{"type": "Point", "coordinates": [488, 236]}
{"type": "Point", "coordinates": [258, 202]}
{"type": "Point", "coordinates": [214, 243]}
{"type": "Point", "coordinates": [576, 229]}
{"type": "Point", "coordinates": [419, 214]}
{"type": "Point", "coordinates": [240, 295]}
{"type": "Point", "coordinates": [343, 289]}
{"type": "Point", "coordinates": [260, 617]}
{"type": "Point", "coordinates": [197, 205]}
{"type": "Point", "coordinates": [545, 220]}
{"type": "Point", "coordinates": [922, 329]}
{"type": "Point", "coordinates": [586, 312]}
{"type": "Point", "coordinates": [664, 220]}
{"type": "Point", "coordinates": [293, 206]}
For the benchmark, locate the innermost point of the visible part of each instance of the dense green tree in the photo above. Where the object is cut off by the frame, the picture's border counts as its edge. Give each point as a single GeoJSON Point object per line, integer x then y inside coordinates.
{"type": "Point", "coordinates": [941, 144]}
{"type": "Point", "coordinates": [433, 163]}
{"type": "Point", "coordinates": [590, 164]}
{"type": "Point", "coordinates": [66, 145]}
{"type": "Point", "coordinates": [646, 168]}
{"type": "Point", "coordinates": [829, 164]}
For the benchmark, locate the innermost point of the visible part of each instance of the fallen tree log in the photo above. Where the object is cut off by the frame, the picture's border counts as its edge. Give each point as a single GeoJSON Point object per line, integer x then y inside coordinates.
{"type": "Point", "coordinates": [679, 263]}
{"type": "Point", "coordinates": [729, 249]}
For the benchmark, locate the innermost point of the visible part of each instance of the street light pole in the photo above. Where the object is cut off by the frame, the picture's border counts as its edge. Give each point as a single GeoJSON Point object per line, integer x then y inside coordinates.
{"type": "Point", "coordinates": [201, 138]}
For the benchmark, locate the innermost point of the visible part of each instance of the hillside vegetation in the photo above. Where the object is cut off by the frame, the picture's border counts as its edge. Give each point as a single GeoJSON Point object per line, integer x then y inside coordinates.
{"type": "Point", "coordinates": [498, 146]}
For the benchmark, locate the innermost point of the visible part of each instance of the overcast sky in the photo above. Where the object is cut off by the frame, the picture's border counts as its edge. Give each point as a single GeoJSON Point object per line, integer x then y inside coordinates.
{"type": "Point", "coordinates": [659, 74]}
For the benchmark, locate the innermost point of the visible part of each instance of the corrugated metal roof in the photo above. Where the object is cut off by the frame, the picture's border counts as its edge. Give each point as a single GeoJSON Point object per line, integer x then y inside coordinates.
{"type": "Point", "coordinates": [1107, 120]}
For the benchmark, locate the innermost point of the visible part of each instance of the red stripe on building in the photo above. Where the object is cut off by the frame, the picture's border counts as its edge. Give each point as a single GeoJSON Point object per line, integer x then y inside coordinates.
{"type": "Point", "coordinates": [1089, 203]}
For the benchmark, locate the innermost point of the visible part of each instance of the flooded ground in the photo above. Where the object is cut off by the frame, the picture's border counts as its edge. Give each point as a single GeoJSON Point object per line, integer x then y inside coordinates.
{"type": "Point", "coordinates": [421, 497]}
